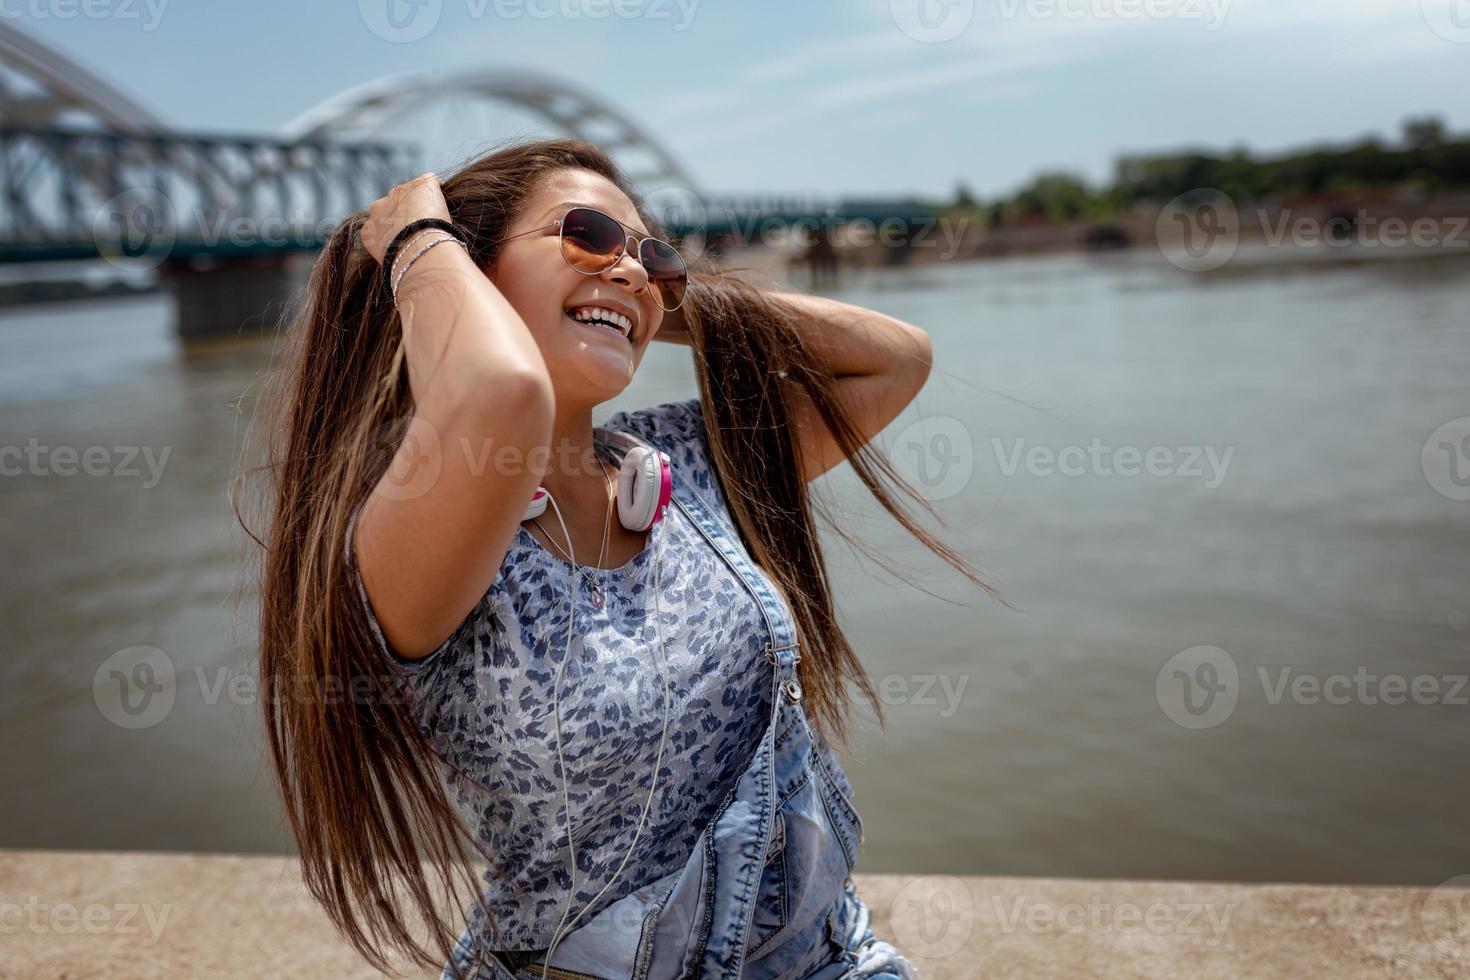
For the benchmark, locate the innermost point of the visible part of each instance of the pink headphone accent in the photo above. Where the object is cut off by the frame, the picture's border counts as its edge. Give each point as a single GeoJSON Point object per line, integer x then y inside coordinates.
{"type": "Point", "coordinates": [645, 487]}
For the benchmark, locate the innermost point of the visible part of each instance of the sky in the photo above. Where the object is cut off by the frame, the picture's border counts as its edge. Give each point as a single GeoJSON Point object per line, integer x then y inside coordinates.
{"type": "Point", "coordinates": [877, 97]}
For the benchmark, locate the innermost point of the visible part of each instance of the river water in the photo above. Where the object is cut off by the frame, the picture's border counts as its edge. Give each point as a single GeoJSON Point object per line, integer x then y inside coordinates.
{"type": "Point", "coordinates": [1208, 495]}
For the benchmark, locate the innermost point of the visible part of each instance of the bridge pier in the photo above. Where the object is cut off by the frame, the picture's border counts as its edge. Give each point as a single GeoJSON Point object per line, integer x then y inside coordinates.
{"type": "Point", "coordinates": [240, 296]}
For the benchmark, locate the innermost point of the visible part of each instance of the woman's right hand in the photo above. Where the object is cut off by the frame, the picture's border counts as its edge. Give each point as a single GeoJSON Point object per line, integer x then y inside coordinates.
{"type": "Point", "coordinates": [411, 200]}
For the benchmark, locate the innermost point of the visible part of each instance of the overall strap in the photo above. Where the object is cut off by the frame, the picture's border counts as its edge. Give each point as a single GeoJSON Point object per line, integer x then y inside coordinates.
{"type": "Point", "coordinates": [780, 630]}
{"type": "Point", "coordinates": [739, 834]}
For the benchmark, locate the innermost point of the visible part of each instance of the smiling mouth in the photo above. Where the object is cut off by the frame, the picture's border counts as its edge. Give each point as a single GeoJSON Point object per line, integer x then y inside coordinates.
{"type": "Point", "coordinates": [599, 318]}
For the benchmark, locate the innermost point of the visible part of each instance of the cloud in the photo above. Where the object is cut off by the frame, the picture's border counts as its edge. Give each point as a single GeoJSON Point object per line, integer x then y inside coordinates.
{"type": "Point", "coordinates": [954, 80]}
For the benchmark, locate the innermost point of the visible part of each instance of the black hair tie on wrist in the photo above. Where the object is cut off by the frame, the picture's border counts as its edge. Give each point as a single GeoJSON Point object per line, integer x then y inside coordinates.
{"type": "Point", "coordinates": [407, 232]}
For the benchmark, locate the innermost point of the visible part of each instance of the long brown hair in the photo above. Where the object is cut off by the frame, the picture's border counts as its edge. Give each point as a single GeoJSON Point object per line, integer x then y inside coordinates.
{"type": "Point", "coordinates": [356, 772]}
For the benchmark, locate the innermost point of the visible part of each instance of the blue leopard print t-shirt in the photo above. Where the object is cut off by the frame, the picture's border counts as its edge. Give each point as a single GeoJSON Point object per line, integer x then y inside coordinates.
{"type": "Point", "coordinates": [487, 706]}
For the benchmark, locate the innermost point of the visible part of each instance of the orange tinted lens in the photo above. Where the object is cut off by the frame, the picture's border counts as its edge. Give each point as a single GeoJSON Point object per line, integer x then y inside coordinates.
{"type": "Point", "coordinates": [590, 240]}
{"type": "Point", "coordinates": [667, 275]}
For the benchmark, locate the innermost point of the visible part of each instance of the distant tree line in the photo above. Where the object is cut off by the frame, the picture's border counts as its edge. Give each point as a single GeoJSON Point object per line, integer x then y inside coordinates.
{"type": "Point", "coordinates": [1426, 158]}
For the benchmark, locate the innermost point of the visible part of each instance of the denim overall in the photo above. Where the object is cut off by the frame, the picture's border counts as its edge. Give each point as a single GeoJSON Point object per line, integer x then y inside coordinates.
{"type": "Point", "coordinates": [766, 892]}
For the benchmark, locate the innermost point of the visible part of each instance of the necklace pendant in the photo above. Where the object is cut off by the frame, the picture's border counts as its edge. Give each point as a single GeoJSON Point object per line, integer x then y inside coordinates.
{"type": "Point", "coordinates": [597, 599]}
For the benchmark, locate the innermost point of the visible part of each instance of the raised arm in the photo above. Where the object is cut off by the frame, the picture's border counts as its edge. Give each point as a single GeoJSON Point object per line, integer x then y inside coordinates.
{"type": "Point", "coordinates": [880, 363]}
{"type": "Point", "coordinates": [432, 535]}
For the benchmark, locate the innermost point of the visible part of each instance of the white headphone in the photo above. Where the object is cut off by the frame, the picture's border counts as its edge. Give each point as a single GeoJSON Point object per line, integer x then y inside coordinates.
{"type": "Point", "coordinates": [645, 487]}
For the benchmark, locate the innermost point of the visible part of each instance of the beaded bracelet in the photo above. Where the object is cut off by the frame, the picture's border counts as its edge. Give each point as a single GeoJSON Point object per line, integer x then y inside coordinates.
{"type": "Point", "coordinates": [408, 230]}
{"type": "Point", "coordinates": [415, 257]}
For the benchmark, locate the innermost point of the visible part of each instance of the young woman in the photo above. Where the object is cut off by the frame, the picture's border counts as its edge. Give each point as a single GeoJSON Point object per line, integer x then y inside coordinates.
{"type": "Point", "coordinates": [636, 747]}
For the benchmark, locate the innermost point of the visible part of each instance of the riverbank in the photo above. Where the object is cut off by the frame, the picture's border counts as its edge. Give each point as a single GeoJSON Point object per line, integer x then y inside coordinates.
{"type": "Point", "coordinates": [98, 914]}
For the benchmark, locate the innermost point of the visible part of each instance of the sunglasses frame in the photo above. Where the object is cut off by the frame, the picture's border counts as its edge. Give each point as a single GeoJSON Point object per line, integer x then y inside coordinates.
{"type": "Point", "coordinates": [628, 233]}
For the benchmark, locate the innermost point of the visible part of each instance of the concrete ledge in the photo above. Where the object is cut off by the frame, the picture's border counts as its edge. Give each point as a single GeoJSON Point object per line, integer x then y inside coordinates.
{"type": "Point", "coordinates": [93, 914]}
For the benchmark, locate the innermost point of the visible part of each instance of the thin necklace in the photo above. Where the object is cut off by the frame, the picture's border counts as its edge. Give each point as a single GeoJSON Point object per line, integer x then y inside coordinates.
{"type": "Point", "coordinates": [597, 597]}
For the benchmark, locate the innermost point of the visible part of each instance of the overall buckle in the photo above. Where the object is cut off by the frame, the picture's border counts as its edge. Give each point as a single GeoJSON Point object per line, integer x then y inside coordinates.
{"type": "Point", "coordinates": [790, 685]}
{"type": "Point", "coordinates": [770, 653]}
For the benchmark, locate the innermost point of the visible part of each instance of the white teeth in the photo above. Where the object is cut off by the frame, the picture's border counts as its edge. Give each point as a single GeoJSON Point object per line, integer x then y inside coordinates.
{"type": "Point", "coordinates": [585, 313]}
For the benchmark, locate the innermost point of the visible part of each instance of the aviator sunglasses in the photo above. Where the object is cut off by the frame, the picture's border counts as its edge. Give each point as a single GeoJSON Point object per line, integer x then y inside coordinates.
{"type": "Point", "coordinates": [593, 242]}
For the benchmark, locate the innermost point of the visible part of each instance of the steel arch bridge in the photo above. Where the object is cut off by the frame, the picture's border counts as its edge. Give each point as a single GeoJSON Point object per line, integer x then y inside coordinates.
{"type": "Point", "coordinates": [88, 172]}
{"type": "Point", "coordinates": [377, 108]}
{"type": "Point", "coordinates": [43, 87]}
